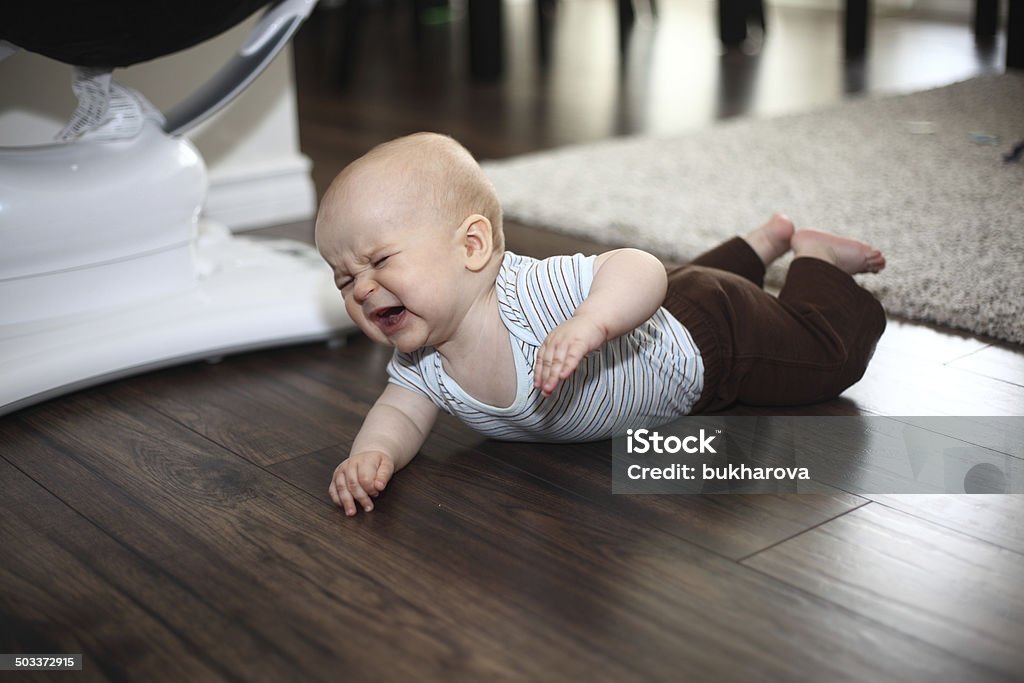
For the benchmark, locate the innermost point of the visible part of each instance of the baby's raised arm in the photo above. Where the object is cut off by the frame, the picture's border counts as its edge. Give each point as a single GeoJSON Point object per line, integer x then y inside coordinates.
{"type": "Point", "coordinates": [391, 435]}
{"type": "Point", "coordinates": [628, 287]}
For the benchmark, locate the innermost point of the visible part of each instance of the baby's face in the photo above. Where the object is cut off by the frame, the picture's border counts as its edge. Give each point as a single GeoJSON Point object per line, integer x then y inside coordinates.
{"type": "Point", "coordinates": [397, 271]}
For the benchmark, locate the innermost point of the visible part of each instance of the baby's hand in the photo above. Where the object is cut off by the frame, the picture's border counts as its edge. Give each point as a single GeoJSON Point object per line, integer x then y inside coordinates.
{"type": "Point", "coordinates": [562, 351]}
{"type": "Point", "coordinates": [359, 478]}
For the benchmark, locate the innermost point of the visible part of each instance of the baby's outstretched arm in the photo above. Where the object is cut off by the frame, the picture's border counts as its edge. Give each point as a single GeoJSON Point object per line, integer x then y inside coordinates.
{"type": "Point", "coordinates": [391, 435]}
{"type": "Point", "coordinates": [629, 285]}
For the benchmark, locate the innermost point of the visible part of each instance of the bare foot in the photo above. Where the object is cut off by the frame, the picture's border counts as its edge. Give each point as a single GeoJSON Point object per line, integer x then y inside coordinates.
{"type": "Point", "coordinates": [771, 240]}
{"type": "Point", "coordinates": [848, 255]}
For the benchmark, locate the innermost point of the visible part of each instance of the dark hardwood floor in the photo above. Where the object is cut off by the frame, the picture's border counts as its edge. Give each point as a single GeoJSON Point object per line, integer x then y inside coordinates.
{"type": "Point", "coordinates": [176, 525]}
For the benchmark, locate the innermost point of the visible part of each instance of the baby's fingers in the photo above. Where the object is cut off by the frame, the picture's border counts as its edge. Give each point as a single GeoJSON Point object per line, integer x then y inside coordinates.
{"type": "Point", "coordinates": [340, 494]}
{"type": "Point", "coordinates": [573, 355]}
{"type": "Point", "coordinates": [374, 476]}
{"type": "Point", "coordinates": [564, 366]}
{"type": "Point", "coordinates": [384, 472]}
{"type": "Point", "coordinates": [332, 490]}
{"type": "Point", "coordinates": [355, 489]}
{"type": "Point", "coordinates": [366, 473]}
{"type": "Point", "coordinates": [545, 366]}
{"type": "Point", "coordinates": [557, 364]}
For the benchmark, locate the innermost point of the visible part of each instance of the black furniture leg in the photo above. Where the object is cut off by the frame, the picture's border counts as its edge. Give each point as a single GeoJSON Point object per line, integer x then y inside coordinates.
{"type": "Point", "coordinates": [627, 17]}
{"type": "Point", "coordinates": [986, 19]}
{"type": "Point", "coordinates": [856, 28]}
{"type": "Point", "coordinates": [1015, 35]}
{"type": "Point", "coordinates": [755, 14]}
{"type": "Point", "coordinates": [545, 15]}
{"type": "Point", "coordinates": [351, 16]}
{"type": "Point", "coordinates": [732, 22]}
{"type": "Point", "coordinates": [486, 44]}
{"type": "Point", "coordinates": [734, 18]}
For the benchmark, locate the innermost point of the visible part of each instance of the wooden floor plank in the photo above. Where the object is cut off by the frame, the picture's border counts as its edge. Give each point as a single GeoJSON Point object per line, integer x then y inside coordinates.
{"type": "Point", "coordinates": [434, 574]}
{"type": "Point", "coordinates": [733, 526]}
{"type": "Point", "coordinates": [180, 504]}
{"type": "Point", "coordinates": [460, 530]}
{"type": "Point", "coordinates": [68, 588]}
{"type": "Point", "coordinates": [261, 550]}
{"type": "Point", "coordinates": [698, 616]}
{"type": "Point", "coordinates": [263, 416]}
{"type": "Point", "coordinates": [997, 519]}
{"type": "Point", "coordinates": [902, 383]}
{"type": "Point", "coordinates": [274, 405]}
{"type": "Point", "coordinates": [953, 591]}
{"type": "Point", "coordinates": [998, 361]}
{"type": "Point", "coordinates": [928, 343]}
{"type": "Point", "coordinates": [325, 597]}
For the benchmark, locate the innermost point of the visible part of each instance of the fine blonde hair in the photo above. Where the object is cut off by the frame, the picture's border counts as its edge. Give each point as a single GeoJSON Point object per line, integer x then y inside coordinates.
{"type": "Point", "coordinates": [458, 186]}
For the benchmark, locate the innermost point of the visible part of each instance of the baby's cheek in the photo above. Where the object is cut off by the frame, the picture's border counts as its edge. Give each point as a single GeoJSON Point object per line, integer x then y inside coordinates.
{"type": "Point", "coordinates": [356, 313]}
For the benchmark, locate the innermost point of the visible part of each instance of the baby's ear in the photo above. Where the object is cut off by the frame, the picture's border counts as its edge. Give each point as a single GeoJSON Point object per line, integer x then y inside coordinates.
{"type": "Point", "coordinates": [477, 241]}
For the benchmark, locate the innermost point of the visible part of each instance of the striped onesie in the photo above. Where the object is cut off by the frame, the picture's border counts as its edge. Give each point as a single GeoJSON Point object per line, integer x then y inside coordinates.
{"type": "Point", "coordinates": [642, 379]}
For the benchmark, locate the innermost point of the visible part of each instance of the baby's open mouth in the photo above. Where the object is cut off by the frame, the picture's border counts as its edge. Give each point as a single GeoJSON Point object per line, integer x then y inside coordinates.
{"type": "Point", "coordinates": [388, 317]}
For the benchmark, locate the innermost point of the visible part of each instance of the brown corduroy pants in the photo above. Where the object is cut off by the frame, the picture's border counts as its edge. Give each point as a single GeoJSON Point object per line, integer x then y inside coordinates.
{"type": "Point", "coordinates": [806, 345]}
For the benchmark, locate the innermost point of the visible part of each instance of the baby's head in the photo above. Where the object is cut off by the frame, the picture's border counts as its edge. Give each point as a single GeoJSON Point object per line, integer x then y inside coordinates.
{"type": "Point", "coordinates": [425, 174]}
{"type": "Point", "coordinates": [411, 229]}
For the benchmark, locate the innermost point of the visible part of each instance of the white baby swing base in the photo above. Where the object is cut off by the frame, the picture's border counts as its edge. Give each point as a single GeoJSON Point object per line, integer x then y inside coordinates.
{"type": "Point", "coordinates": [106, 269]}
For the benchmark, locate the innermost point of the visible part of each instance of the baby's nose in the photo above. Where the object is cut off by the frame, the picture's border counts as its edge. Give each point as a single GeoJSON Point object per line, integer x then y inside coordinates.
{"type": "Point", "coordinates": [363, 289]}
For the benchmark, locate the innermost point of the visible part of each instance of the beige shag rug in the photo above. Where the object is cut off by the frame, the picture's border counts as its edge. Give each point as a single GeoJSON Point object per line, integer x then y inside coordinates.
{"type": "Point", "coordinates": [921, 176]}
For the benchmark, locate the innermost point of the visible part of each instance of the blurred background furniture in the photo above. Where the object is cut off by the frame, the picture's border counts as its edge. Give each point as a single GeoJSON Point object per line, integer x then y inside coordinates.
{"type": "Point", "coordinates": [986, 23]}
{"type": "Point", "coordinates": [736, 20]}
